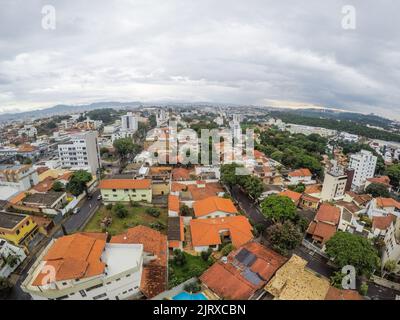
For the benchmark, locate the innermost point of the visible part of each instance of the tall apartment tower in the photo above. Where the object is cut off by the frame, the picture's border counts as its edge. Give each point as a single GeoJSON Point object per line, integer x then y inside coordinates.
{"type": "Point", "coordinates": [81, 152]}
{"type": "Point", "coordinates": [364, 164]}
{"type": "Point", "coordinates": [129, 123]}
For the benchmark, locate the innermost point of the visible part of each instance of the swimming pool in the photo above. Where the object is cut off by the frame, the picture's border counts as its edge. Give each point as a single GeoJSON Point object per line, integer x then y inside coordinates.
{"type": "Point", "coordinates": [189, 296]}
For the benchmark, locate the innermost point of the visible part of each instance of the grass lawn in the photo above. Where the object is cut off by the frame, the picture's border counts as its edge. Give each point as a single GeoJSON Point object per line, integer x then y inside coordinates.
{"type": "Point", "coordinates": [193, 267]}
{"type": "Point", "coordinates": [136, 216]}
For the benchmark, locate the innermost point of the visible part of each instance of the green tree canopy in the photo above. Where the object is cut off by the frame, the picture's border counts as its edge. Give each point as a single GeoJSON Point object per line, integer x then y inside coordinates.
{"type": "Point", "coordinates": [278, 208]}
{"type": "Point", "coordinates": [284, 236]}
{"type": "Point", "coordinates": [78, 182]}
{"type": "Point", "coordinates": [350, 249]}
{"type": "Point", "coordinates": [377, 190]}
{"type": "Point", "coordinates": [393, 173]}
{"type": "Point", "coordinates": [254, 186]}
{"type": "Point", "coordinates": [120, 211]}
{"type": "Point", "coordinates": [57, 186]}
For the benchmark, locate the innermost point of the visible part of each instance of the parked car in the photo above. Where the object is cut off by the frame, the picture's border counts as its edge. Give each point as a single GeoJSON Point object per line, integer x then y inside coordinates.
{"type": "Point", "coordinates": [99, 197]}
{"type": "Point", "coordinates": [76, 210]}
{"type": "Point", "coordinates": [89, 196]}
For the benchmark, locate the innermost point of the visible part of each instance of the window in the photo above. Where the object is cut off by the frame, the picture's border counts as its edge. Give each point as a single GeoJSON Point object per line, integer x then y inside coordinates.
{"type": "Point", "coordinates": [95, 287]}
{"type": "Point", "coordinates": [83, 293]}
{"type": "Point", "coordinates": [100, 296]}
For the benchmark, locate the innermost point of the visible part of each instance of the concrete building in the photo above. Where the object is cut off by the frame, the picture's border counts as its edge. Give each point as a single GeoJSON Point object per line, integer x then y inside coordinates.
{"type": "Point", "coordinates": [11, 257]}
{"type": "Point", "coordinates": [129, 123]}
{"type": "Point", "coordinates": [364, 164]}
{"type": "Point", "coordinates": [20, 177]}
{"type": "Point", "coordinates": [81, 153]}
{"type": "Point", "coordinates": [18, 229]}
{"type": "Point", "coordinates": [126, 190]}
{"type": "Point", "coordinates": [83, 266]}
{"type": "Point", "coordinates": [392, 245]}
{"type": "Point", "coordinates": [334, 186]}
{"type": "Point", "coordinates": [28, 130]}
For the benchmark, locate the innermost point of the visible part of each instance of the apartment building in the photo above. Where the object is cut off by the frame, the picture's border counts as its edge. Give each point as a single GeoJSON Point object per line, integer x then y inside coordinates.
{"type": "Point", "coordinates": [19, 177]}
{"type": "Point", "coordinates": [364, 164]}
{"type": "Point", "coordinates": [129, 123]}
{"type": "Point", "coordinates": [126, 190]}
{"type": "Point", "coordinates": [334, 186]}
{"type": "Point", "coordinates": [81, 153]}
{"type": "Point", "coordinates": [11, 257]}
{"type": "Point", "coordinates": [392, 245]}
{"type": "Point", "coordinates": [83, 266]}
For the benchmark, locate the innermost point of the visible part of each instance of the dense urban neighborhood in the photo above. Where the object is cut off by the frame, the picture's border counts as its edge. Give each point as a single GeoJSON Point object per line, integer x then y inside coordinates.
{"type": "Point", "coordinates": [207, 202]}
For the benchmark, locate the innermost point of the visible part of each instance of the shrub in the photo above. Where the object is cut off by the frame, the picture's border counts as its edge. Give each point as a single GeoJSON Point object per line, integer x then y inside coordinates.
{"type": "Point", "coordinates": [206, 254]}
{"type": "Point", "coordinates": [120, 211]}
{"type": "Point", "coordinates": [192, 287]}
{"type": "Point", "coordinates": [227, 249]}
{"type": "Point", "coordinates": [153, 212]}
{"type": "Point", "coordinates": [179, 258]}
{"type": "Point", "coordinates": [109, 206]}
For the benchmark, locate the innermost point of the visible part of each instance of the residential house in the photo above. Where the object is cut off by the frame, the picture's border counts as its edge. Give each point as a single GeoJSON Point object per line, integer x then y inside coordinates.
{"type": "Point", "coordinates": [383, 206]}
{"type": "Point", "coordinates": [294, 196]}
{"type": "Point", "coordinates": [392, 245]}
{"type": "Point", "coordinates": [126, 190]}
{"type": "Point", "coordinates": [51, 202]}
{"type": "Point", "coordinates": [243, 272]}
{"type": "Point", "coordinates": [385, 180]}
{"type": "Point", "coordinates": [302, 175]}
{"type": "Point", "coordinates": [20, 177]}
{"type": "Point", "coordinates": [173, 206]}
{"type": "Point", "coordinates": [308, 202]}
{"type": "Point", "coordinates": [214, 207]}
{"type": "Point", "coordinates": [325, 224]}
{"type": "Point", "coordinates": [211, 233]}
{"type": "Point", "coordinates": [18, 229]}
{"type": "Point", "coordinates": [82, 266]}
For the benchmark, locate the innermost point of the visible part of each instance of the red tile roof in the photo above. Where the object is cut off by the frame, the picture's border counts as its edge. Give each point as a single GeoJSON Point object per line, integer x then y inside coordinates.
{"type": "Point", "coordinates": [295, 196]}
{"type": "Point", "coordinates": [125, 184]}
{"type": "Point", "coordinates": [213, 204]}
{"type": "Point", "coordinates": [181, 174]}
{"type": "Point", "coordinates": [387, 203]}
{"type": "Point", "coordinates": [382, 180]}
{"type": "Point", "coordinates": [75, 256]}
{"type": "Point", "coordinates": [339, 294]}
{"type": "Point", "coordinates": [328, 213]}
{"type": "Point", "coordinates": [321, 231]}
{"type": "Point", "coordinates": [227, 279]}
{"type": "Point", "coordinates": [173, 203]}
{"type": "Point", "coordinates": [382, 223]}
{"type": "Point", "coordinates": [206, 232]}
{"type": "Point", "coordinates": [303, 172]}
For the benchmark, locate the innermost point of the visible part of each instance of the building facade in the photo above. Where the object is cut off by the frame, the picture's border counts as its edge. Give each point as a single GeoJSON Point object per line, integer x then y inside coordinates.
{"type": "Point", "coordinates": [364, 164]}
{"type": "Point", "coordinates": [81, 153]}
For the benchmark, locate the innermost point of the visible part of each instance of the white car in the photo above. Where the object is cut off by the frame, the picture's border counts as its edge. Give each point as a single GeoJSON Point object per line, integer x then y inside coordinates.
{"type": "Point", "coordinates": [99, 197]}
{"type": "Point", "coordinates": [76, 210]}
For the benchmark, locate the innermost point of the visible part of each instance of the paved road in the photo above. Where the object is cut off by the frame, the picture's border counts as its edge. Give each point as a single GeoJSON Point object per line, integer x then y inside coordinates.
{"type": "Point", "coordinates": [73, 224]}
{"type": "Point", "coordinates": [77, 220]}
{"type": "Point", "coordinates": [249, 207]}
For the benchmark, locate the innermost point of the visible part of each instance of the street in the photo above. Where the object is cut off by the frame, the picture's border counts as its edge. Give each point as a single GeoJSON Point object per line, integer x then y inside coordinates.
{"type": "Point", "coordinates": [72, 224]}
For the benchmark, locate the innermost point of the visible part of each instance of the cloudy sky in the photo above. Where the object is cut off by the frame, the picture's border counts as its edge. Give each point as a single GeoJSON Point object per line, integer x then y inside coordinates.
{"type": "Point", "coordinates": [280, 53]}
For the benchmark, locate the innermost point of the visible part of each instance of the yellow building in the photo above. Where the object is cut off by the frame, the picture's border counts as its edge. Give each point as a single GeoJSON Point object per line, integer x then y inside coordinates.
{"type": "Point", "coordinates": [125, 190]}
{"type": "Point", "coordinates": [19, 229]}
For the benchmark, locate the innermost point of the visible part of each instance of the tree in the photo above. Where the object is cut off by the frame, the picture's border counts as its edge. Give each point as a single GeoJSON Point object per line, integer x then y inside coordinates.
{"type": "Point", "coordinates": [336, 279]}
{"type": "Point", "coordinates": [228, 174]}
{"type": "Point", "coordinates": [186, 211]}
{"type": "Point", "coordinates": [179, 258]}
{"type": "Point", "coordinates": [153, 212]}
{"type": "Point", "coordinates": [393, 173]}
{"type": "Point", "coordinates": [5, 286]}
{"type": "Point", "coordinates": [350, 249]}
{"type": "Point", "coordinates": [78, 182]}
{"type": "Point", "coordinates": [124, 148]}
{"type": "Point", "coordinates": [389, 267]}
{"type": "Point", "coordinates": [206, 254]}
{"type": "Point", "coordinates": [57, 186]}
{"type": "Point", "coordinates": [377, 190]}
{"type": "Point", "coordinates": [227, 249]}
{"type": "Point", "coordinates": [120, 211]}
{"type": "Point", "coordinates": [254, 186]}
{"type": "Point", "coordinates": [278, 208]}
{"type": "Point", "coordinates": [284, 236]}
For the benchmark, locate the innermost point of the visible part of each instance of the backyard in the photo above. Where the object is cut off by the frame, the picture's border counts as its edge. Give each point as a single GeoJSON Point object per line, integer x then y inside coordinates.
{"type": "Point", "coordinates": [193, 266]}
{"type": "Point", "coordinates": [135, 216]}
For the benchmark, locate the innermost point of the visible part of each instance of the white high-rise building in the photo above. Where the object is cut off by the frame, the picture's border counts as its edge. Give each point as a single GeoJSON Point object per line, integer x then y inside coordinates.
{"type": "Point", "coordinates": [364, 164]}
{"type": "Point", "coordinates": [129, 123]}
{"type": "Point", "coordinates": [81, 153]}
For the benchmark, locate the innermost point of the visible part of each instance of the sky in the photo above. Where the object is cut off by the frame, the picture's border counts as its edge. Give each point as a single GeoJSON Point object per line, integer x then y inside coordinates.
{"type": "Point", "coordinates": [285, 53]}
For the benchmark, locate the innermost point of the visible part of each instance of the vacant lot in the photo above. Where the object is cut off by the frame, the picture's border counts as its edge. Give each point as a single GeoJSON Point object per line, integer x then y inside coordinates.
{"type": "Point", "coordinates": [136, 216]}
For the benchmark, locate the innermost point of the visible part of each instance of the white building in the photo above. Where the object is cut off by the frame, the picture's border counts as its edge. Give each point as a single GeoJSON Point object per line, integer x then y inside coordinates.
{"type": "Point", "coordinates": [334, 186]}
{"type": "Point", "coordinates": [28, 130]}
{"type": "Point", "coordinates": [19, 177]}
{"type": "Point", "coordinates": [82, 152]}
{"type": "Point", "coordinates": [129, 123]}
{"type": "Point", "coordinates": [364, 164]}
{"type": "Point", "coordinates": [11, 257]}
{"type": "Point", "coordinates": [85, 267]}
{"type": "Point", "coordinates": [392, 245]}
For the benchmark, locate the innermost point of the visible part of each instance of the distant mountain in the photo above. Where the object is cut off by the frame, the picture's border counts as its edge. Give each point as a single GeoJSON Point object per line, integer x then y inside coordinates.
{"type": "Point", "coordinates": [65, 109]}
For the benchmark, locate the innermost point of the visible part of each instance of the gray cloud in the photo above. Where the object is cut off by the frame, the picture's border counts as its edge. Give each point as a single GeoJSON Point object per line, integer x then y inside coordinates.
{"type": "Point", "coordinates": [246, 52]}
